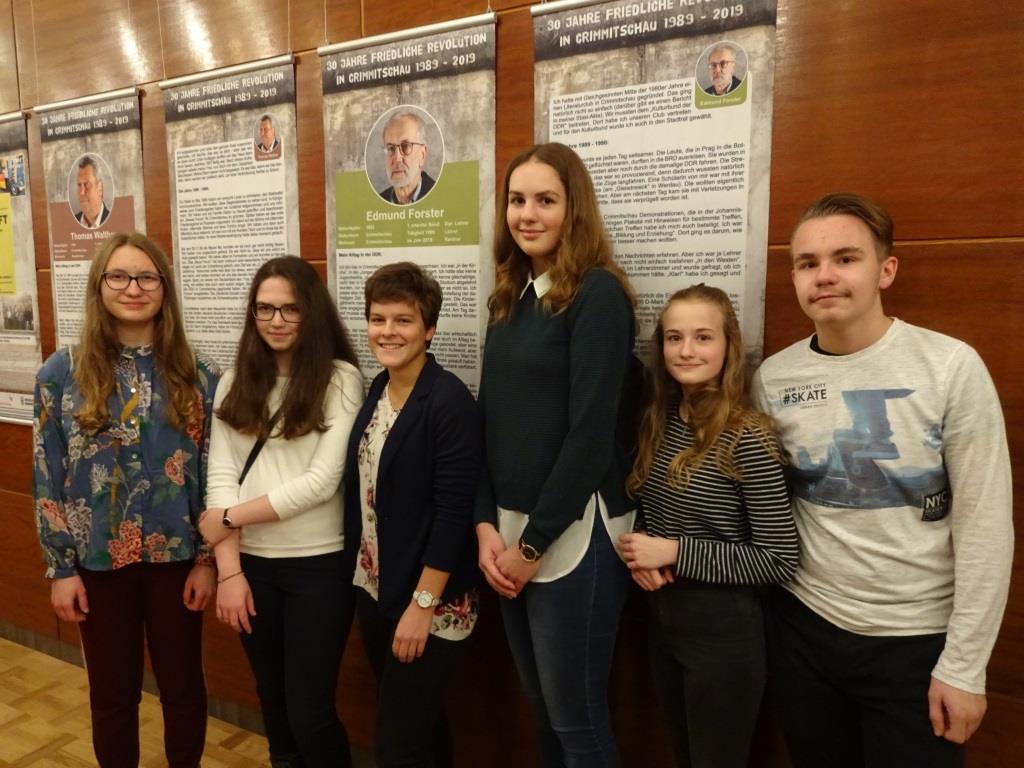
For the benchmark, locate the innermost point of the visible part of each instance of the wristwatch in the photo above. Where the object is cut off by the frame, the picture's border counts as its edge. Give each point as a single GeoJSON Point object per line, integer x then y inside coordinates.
{"type": "Point", "coordinates": [226, 521]}
{"type": "Point", "coordinates": [528, 552]}
{"type": "Point", "coordinates": [425, 600]}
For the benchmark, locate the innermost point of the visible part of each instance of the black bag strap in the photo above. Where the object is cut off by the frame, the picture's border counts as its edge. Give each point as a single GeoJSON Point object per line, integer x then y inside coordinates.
{"type": "Point", "coordinates": [258, 446]}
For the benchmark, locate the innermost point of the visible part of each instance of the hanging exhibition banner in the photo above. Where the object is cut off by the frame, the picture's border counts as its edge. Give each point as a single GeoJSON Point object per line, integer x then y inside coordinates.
{"type": "Point", "coordinates": [20, 353]}
{"type": "Point", "coordinates": [92, 163]}
{"type": "Point", "coordinates": [669, 103]}
{"type": "Point", "coordinates": [234, 190]}
{"type": "Point", "coordinates": [409, 148]}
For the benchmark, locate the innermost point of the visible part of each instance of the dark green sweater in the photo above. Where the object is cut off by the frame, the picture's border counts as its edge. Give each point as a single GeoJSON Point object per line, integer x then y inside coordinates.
{"type": "Point", "coordinates": [549, 392]}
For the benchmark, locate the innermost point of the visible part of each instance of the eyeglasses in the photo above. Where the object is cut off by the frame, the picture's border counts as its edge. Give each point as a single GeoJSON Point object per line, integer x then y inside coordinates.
{"type": "Point", "coordinates": [119, 280]}
{"type": "Point", "coordinates": [720, 64]}
{"type": "Point", "coordinates": [290, 313]}
{"type": "Point", "coordinates": [405, 148]}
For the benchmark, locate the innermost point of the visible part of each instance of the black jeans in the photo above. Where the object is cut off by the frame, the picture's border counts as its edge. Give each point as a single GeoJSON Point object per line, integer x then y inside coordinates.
{"type": "Point", "coordinates": [412, 730]}
{"type": "Point", "coordinates": [303, 615]}
{"type": "Point", "coordinates": [708, 659]}
{"type": "Point", "coordinates": [853, 701]}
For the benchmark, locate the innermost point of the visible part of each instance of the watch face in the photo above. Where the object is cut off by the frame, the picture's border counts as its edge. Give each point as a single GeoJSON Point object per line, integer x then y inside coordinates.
{"type": "Point", "coordinates": [424, 600]}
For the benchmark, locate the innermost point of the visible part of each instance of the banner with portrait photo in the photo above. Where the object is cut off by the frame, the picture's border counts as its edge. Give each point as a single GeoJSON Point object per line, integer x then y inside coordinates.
{"type": "Point", "coordinates": [92, 164]}
{"type": "Point", "coordinates": [20, 353]}
{"type": "Point", "coordinates": [234, 190]}
{"type": "Point", "coordinates": [669, 103]}
{"type": "Point", "coordinates": [409, 148]}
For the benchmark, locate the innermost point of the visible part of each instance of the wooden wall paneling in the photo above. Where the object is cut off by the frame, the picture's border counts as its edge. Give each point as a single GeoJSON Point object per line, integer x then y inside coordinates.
{"type": "Point", "coordinates": [309, 123]}
{"type": "Point", "coordinates": [357, 692]}
{"type": "Point", "coordinates": [47, 325]}
{"type": "Point", "coordinates": [514, 89]}
{"type": "Point", "coordinates": [228, 676]}
{"type": "Point", "coordinates": [911, 103]}
{"type": "Point", "coordinates": [24, 593]}
{"type": "Point", "coordinates": [9, 95]}
{"type": "Point", "coordinates": [37, 186]}
{"type": "Point", "coordinates": [489, 699]}
{"type": "Point", "coordinates": [16, 468]}
{"type": "Point", "coordinates": [25, 52]}
{"type": "Point", "coordinates": [307, 23]}
{"type": "Point", "coordinates": [200, 35]}
{"type": "Point", "coordinates": [344, 21]}
{"type": "Point", "coordinates": [379, 18]}
{"type": "Point", "coordinates": [156, 168]}
{"type": "Point", "coordinates": [999, 742]}
{"type": "Point", "coordinates": [86, 48]}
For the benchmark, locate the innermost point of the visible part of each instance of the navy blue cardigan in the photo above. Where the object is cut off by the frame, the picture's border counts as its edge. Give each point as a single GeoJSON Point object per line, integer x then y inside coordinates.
{"type": "Point", "coordinates": [426, 483]}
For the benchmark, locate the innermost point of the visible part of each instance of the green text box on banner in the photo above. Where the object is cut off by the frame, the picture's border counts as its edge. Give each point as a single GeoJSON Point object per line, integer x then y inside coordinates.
{"type": "Point", "coordinates": [449, 215]}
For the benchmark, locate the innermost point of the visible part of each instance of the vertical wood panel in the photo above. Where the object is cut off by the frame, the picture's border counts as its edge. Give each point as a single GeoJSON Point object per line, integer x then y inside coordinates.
{"type": "Point", "coordinates": [344, 22]}
{"type": "Point", "coordinates": [309, 123]}
{"type": "Point", "coordinates": [908, 102]}
{"type": "Point", "coordinates": [514, 89]}
{"type": "Point", "coordinates": [25, 52]}
{"type": "Point", "coordinates": [379, 18]}
{"type": "Point", "coordinates": [156, 178]}
{"type": "Point", "coordinates": [9, 96]}
{"type": "Point", "coordinates": [85, 48]}
{"type": "Point", "coordinates": [24, 593]}
{"type": "Point", "coordinates": [200, 35]}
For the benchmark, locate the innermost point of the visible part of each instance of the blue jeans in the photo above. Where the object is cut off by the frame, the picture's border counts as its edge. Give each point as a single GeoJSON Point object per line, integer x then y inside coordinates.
{"type": "Point", "coordinates": [562, 637]}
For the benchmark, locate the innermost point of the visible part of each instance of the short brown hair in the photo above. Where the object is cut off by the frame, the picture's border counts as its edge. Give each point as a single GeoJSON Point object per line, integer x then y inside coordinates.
{"type": "Point", "coordinates": [875, 217]}
{"type": "Point", "coordinates": [405, 281]}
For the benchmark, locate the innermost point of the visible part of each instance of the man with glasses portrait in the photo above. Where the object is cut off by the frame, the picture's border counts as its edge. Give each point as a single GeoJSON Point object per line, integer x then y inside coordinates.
{"type": "Point", "coordinates": [405, 150]}
{"type": "Point", "coordinates": [722, 70]}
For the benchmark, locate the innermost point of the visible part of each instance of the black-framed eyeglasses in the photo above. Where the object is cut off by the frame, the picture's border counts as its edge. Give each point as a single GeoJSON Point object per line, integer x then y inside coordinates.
{"type": "Point", "coordinates": [405, 148]}
{"type": "Point", "coordinates": [720, 64]}
{"type": "Point", "coordinates": [119, 280]}
{"type": "Point", "coordinates": [290, 313]}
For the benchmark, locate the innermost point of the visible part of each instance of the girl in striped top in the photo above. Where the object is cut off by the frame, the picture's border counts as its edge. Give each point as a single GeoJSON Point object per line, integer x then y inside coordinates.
{"type": "Point", "coordinates": [715, 521]}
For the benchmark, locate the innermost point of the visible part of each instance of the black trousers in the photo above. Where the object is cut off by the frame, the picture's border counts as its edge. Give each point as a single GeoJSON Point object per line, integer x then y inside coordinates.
{"type": "Point", "coordinates": [708, 659]}
{"type": "Point", "coordinates": [303, 615]}
{"type": "Point", "coordinates": [412, 730]}
{"type": "Point", "coordinates": [850, 700]}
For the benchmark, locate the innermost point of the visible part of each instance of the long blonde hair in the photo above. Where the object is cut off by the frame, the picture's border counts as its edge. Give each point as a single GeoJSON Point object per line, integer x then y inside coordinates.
{"type": "Point", "coordinates": [584, 243]}
{"type": "Point", "coordinates": [717, 412]}
{"type": "Point", "coordinates": [99, 347]}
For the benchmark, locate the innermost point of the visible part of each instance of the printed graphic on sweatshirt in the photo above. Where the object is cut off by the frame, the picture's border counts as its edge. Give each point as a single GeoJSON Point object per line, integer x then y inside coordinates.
{"type": "Point", "coordinates": [864, 468]}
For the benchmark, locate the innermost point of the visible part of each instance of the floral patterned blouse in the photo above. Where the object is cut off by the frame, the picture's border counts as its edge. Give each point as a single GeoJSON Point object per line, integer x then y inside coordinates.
{"type": "Point", "coordinates": [130, 492]}
{"type": "Point", "coordinates": [453, 620]}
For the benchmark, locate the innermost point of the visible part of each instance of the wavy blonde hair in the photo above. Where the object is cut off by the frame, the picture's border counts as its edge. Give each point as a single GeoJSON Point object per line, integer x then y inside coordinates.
{"type": "Point", "coordinates": [584, 243]}
{"type": "Point", "coordinates": [99, 346]}
{"type": "Point", "coordinates": [718, 412]}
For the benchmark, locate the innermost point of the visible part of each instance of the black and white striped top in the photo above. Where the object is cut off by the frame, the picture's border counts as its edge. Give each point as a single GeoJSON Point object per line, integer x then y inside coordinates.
{"type": "Point", "coordinates": [729, 532]}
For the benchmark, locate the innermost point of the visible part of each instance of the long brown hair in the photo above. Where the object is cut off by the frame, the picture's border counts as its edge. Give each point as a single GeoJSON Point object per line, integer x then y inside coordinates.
{"type": "Point", "coordinates": [322, 340]}
{"type": "Point", "coordinates": [99, 347]}
{"type": "Point", "coordinates": [584, 244]}
{"type": "Point", "coordinates": [717, 412]}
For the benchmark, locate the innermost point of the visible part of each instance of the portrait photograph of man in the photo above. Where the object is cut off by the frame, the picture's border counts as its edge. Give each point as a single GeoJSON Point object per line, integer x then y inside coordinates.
{"type": "Point", "coordinates": [267, 143]}
{"type": "Point", "coordinates": [408, 141]}
{"type": "Point", "coordinates": [724, 70]}
{"type": "Point", "coordinates": [87, 195]}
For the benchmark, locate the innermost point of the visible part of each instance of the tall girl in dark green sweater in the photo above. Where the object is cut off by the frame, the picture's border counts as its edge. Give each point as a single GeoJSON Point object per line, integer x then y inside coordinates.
{"type": "Point", "coordinates": [552, 499]}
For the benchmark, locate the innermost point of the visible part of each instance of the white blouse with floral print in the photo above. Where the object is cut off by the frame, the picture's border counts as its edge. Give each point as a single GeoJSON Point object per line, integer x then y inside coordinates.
{"type": "Point", "coordinates": [453, 620]}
